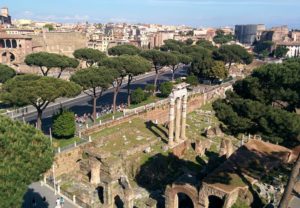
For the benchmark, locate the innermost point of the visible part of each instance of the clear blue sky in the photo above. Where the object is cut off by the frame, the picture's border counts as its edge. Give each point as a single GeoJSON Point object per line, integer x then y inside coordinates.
{"type": "Point", "coordinates": [188, 12]}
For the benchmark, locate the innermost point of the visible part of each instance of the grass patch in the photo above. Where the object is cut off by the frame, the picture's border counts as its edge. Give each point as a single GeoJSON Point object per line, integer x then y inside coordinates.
{"type": "Point", "coordinates": [149, 100]}
{"type": "Point", "coordinates": [109, 116]}
{"type": "Point", "coordinates": [64, 142]}
{"type": "Point", "coordinates": [128, 135]}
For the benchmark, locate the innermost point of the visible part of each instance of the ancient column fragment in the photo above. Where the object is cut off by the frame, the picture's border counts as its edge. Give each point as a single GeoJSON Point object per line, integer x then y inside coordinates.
{"type": "Point", "coordinates": [178, 120]}
{"type": "Point", "coordinates": [95, 171]}
{"type": "Point", "coordinates": [171, 123]}
{"type": "Point", "coordinates": [183, 117]}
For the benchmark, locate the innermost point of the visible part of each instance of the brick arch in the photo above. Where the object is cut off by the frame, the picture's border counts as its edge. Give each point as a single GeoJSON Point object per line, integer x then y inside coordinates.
{"type": "Point", "coordinates": [173, 190]}
{"type": "Point", "coordinates": [207, 191]}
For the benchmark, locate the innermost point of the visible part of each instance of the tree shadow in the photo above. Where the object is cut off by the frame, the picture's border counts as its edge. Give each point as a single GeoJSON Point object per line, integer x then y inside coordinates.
{"type": "Point", "coordinates": [162, 170]}
{"type": "Point", "coordinates": [257, 202]}
{"type": "Point", "coordinates": [31, 196]}
{"type": "Point", "coordinates": [152, 126]}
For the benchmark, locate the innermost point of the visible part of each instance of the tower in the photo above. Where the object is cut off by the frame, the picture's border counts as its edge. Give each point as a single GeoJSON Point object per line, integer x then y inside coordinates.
{"type": "Point", "coordinates": [4, 12]}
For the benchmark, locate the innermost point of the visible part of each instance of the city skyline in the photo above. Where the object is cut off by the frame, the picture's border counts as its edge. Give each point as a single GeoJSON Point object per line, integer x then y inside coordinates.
{"type": "Point", "coordinates": [194, 13]}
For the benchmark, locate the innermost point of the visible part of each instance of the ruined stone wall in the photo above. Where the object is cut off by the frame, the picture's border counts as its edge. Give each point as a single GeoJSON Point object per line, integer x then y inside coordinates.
{"type": "Point", "coordinates": [59, 42]}
{"type": "Point", "coordinates": [66, 162]}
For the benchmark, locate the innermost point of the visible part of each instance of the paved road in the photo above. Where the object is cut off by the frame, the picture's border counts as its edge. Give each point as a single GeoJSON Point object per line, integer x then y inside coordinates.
{"type": "Point", "coordinates": [295, 202]}
{"type": "Point", "coordinates": [82, 104]}
{"type": "Point", "coordinates": [37, 192]}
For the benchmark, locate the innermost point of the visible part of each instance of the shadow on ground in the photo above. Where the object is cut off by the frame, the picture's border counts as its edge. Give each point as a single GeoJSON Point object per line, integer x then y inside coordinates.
{"type": "Point", "coordinates": [31, 197]}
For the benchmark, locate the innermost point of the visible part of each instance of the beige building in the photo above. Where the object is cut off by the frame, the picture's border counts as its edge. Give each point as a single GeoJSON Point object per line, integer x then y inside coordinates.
{"type": "Point", "coordinates": [157, 39]}
{"type": "Point", "coordinates": [14, 48]}
{"type": "Point", "coordinates": [101, 44]}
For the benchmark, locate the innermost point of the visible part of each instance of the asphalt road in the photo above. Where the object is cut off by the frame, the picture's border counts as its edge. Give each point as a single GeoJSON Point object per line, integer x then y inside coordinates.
{"type": "Point", "coordinates": [82, 104]}
{"type": "Point", "coordinates": [37, 192]}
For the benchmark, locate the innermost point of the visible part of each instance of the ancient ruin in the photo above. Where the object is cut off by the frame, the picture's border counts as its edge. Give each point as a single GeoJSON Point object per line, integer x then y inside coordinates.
{"type": "Point", "coordinates": [178, 97]}
{"type": "Point", "coordinates": [132, 162]}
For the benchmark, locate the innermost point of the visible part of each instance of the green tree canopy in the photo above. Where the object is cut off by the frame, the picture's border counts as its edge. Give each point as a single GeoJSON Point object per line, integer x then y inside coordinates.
{"type": "Point", "coordinates": [192, 80]}
{"type": "Point", "coordinates": [273, 84]}
{"type": "Point", "coordinates": [221, 38]}
{"type": "Point", "coordinates": [264, 104]}
{"type": "Point", "coordinates": [189, 41]}
{"type": "Point", "coordinates": [174, 60]}
{"type": "Point", "coordinates": [6, 73]}
{"type": "Point", "coordinates": [202, 63]}
{"type": "Point", "coordinates": [133, 66]}
{"type": "Point", "coordinates": [138, 96]}
{"type": "Point", "coordinates": [206, 44]}
{"type": "Point", "coordinates": [25, 155]}
{"type": "Point", "coordinates": [262, 46]}
{"type": "Point", "coordinates": [115, 64]}
{"type": "Point", "coordinates": [233, 54]}
{"type": "Point", "coordinates": [158, 59]}
{"type": "Point", "coordinates": [64, 124]}
{"type": "Point", "coordinates": [218, 70]}
{"type": "Point", "coordinates": [94, 81]}
{"type": "Point", "coordinates": [89, 55]}
{"type": "Point", "coordinates": [172, 45]}
{"type": "Point", "coordinates": [124, 50]}
{"type": "Point", "coordinates": [37, 91]}
{"type": "Point", "coordinates": [166, 89]}
{"type": "Point", "coordinates": [47, 61]}
{"type": "Point", "coordinates": [281, 51]}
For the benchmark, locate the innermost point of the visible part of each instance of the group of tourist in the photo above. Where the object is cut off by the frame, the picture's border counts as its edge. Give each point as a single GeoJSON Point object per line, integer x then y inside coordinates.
{"type": "Point", "coordinates": [101, 111]}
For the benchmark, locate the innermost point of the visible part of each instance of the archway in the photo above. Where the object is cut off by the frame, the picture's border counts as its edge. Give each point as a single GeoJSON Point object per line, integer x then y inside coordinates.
{"type": "Point", "coordinates": [215, 202]}
{"type": "Point", "coordinates": [118, 202]}
{"type": "Point", "coordinates": [181, 196]}
{"type": "Point", "coordinates": [184, 201]}
{"type": "Point", "coordinates": [12, 57]}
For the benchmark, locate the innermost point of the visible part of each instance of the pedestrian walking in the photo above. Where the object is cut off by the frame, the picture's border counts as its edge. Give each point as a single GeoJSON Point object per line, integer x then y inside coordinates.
{"type": "Point", "coordinates": [62, 201]}
{"type": "Point", "coordinates": [57, 203]}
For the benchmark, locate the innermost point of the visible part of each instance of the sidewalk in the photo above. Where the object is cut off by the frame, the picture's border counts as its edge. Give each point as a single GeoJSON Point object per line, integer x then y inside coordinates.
{"type": "Point", "coordinates": [37, 192]}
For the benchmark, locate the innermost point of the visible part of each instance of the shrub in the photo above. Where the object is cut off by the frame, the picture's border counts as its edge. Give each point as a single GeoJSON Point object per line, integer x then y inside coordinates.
{"type": "Point", "coordinates": [138, 96]}
{"type": "Point", "coordinates": [150, 88]}
{"type": "Point", "coordinates": [64, 124]}
{"type": "Point", "coordinates": [192, 80]}
{"type": "Point", "coordinates": [178, 80]}
{"type": "Point", "coordinates": [165, 89]}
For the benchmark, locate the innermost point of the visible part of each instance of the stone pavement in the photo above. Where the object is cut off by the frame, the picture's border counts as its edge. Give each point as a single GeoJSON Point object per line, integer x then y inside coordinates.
{"type": "Point", "coordinates": [37, 191]}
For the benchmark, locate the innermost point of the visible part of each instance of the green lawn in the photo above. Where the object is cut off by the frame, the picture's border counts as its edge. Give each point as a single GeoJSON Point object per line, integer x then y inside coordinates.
{"type": "Point", "coordinates": [109, 116]}
{"type": "Point", "coordinates": [129, 134]}
{"type": "Point", "coordinates": [151, 99]}
{"type": "Point", "coordinates": [64, 142]}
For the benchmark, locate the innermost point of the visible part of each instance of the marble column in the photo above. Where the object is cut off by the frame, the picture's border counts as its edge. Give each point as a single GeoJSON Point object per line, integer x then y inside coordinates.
{"type": "Point", "coordinates": [171, 122]}
{"type": "Point", "coordinates": [183, 117]}
{"type": "Point", "coordinates": [95, 171]}
{"type": "Point", "coordinates": [178, 120]}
